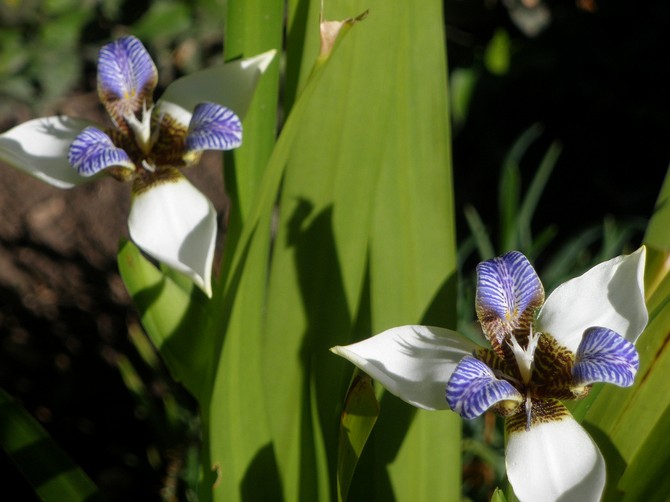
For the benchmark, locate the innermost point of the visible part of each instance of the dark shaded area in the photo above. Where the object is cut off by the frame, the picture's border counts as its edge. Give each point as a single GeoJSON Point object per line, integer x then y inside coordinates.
{"type": "Point", "coordinates": [597, 81]}
{"type": "Point", "coordinates": [262, 465]}
{"type": "Point", "coordinates": [64, 332]}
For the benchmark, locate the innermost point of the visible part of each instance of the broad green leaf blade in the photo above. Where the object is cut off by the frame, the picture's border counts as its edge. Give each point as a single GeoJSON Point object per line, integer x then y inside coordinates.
{"type": "Point", "coordinates": [241, 450]}
{"type": "Point", "coordinates": [51, 472]}
{"type": "Point", "coordinates": [253, 27]}
{"type": "Point", "coordinates": [359, 415]}
{"type": "Point", "coordinates": [239, 440]}
{"type": "Point", "coordinates": [369, 173]}
{"type": "Point", "coordinates": [172, 318]}
{"type": "Point", "coordinates": [646, 477]}
{"type": "Point", "coordinates": [412, 248]}
{"type": "Point", "coordinates": [428, 465]}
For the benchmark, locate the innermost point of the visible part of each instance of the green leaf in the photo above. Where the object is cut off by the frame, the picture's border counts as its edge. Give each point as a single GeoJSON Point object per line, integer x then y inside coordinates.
{"type": "Point", "coordinates": [52, 473]}
{"type": "Point", "coordinates": [534, 194]}
{"type": "Point", "coordinates": [366, 193]}
{"type": "Point", "coordinates": [359, 416]}
{"type": "Point", "coordinates": [241, 449]}
{"type": "Point", "coordinates": [479, 233]}
{"type": "Point", "coordinates": [510, 187]}
{"type": "Point", "coordinates": [172, 317]}
{"type": "Point", "coordinates": [163, 20]}
{"type": "Point", "coordinates": [646, 477]}
{"type": "Point", "coordinates": [498, 496]}
{"type": "Point", "coordinates": [253, 27]}
{"type": "Point", "coordinates": [498, 53]}
{"type": "Point", "coordinates": [657, 235]}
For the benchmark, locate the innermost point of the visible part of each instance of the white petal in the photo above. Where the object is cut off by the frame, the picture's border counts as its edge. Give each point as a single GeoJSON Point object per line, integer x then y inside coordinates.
{"type": "Point", "coordinates": [175, 111]}
{"type": "Point", "coordinates": [553, 461]}
{"type": "Point", "coordinates": [176, 224]}
{"type": "Point", "coordinates": [39, 147]}
{"type": "Point", "coordinates": [610, 295]}
{"type": "Point", "coordinates": [412, 362]}
{"type": "Point", "coordinates": [231, 85]}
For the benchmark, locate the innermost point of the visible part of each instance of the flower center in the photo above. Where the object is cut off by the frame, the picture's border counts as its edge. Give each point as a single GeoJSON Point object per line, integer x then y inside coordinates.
{"type": "Point", "coordinates": [153, 141]}
{"type": "Point", "coordinates": [142, 128]}
{"type": "Point", "coordinates": [540, 371]}
{"type": "Point", "coordinates": [524, 357]}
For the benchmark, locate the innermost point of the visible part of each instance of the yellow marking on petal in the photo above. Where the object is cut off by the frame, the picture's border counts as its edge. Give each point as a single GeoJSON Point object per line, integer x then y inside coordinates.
{"type": "Point", "coordinates": [146, 180]}
{"type": "Point", "coordinates": [507, 407]}
{"type": "Point", "coordinates": [541, 411]}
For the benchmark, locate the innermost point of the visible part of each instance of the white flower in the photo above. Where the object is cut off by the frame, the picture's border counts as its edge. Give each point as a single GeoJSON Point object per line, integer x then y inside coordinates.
{"type": "Point", "coordinates": [147, 145]}
{"type": "Point", "coordinates": [541, 353]}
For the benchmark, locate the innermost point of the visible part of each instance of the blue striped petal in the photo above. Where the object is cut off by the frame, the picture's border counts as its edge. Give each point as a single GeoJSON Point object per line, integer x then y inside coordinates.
{"type": "Point", "coordinates": [473, 388]}
{"type": "Point", "coordinates": [213, 127]}
{"type": "Point", "coordinates": [92, 151]}
{"type": "Point", "coordinates": [605, 356]}
{"type": "Point", "coordinates": [508, 286]}
{"type": "Point", "coordinates": [127, 77]}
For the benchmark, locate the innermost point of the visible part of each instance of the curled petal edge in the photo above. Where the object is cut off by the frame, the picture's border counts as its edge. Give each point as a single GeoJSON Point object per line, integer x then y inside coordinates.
{"type": "Point", "coordinates": [413, 362]}
{"type": "Point", "coordinates": [40, 148]}
{"type": "Point", "coordinates": [610, 294]}
{"type": "Point", "coordinates": [176, 224]}
{"type": "Point", "coordinates": [231, 84]}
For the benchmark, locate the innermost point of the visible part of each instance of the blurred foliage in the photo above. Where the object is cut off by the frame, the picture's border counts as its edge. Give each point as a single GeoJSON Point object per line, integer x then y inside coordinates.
{"type": "Point", "coordinates": [48, 48]}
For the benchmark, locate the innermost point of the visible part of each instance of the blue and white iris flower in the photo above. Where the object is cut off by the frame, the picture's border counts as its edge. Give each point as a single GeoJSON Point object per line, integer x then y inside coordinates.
{"type": "Point", "coordinates": [147, 145]}
{"type": "Point", "coordinates": [542, 352]}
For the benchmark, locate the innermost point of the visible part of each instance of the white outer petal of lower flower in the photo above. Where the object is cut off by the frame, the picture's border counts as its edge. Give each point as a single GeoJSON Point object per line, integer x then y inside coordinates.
{"type": "Point", "coordinates": [610, 295]}
{"type": "Point", "coordinates": [39, 147]}
{"type": "Point", "coordinates": [231, 85]}
{"type": "Point", "coordinates": [176, 224]}
{"type": "Point", "coordinates": [412, 362]}
{"type": "Point", "coordinates": [175, 111]}
{"type": "Point", "coordinates": [555, 461]}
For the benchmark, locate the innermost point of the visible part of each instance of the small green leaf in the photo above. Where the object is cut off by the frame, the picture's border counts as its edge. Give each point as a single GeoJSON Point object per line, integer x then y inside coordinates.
{"type": "Point", "coordinates": [498, 496]}
{"type": "Point", "coordinates": [534, 194]}
{"type": "Point", "coordinates": [479, 233]}
{"type": "Point", "coordinates": [498, 53]}
{"type": "Point", "coordinates": [359, 415]}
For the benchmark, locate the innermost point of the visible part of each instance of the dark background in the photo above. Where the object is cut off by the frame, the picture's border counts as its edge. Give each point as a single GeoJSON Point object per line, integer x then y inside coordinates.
{"type": "Point", "coordinates": [594, 77]}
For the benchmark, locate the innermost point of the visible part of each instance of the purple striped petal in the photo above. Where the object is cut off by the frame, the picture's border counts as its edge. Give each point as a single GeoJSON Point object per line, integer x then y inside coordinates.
{"type": "Point", "coordinates": [213, 127]}
{"type": "Point", "coordinates": [508, 286]}
{"type": "Point", "coordinates": [92, 151]}
{"type": "Point", "coordinates": [473, 389]}
{"type": "Point", "coordinates": [127, 77]}
{"type": "Point", "coordinates": [605, 356]}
